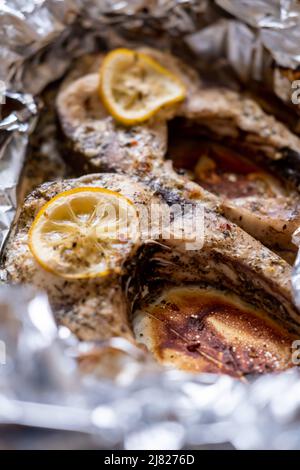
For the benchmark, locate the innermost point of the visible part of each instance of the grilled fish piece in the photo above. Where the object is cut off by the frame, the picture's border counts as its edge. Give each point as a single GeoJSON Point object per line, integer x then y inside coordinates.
{"type": "Point", "coordinates": [229, 115]}
{"type": "Point", "coordinates": [221, 314]}
{"type": "Point", "coordinates": [204, 329]}
{"type": "Point", "coordinates": [229, 259]}
{"type": "Point", "coordinates": [253, 192]}
{"type": "Point", "coordinates": [94, 140]}
{"type": "Point", "coordinates": [91, 308]}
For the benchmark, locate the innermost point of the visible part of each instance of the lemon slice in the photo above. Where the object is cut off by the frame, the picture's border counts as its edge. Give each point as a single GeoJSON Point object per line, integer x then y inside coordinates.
{"type": "Point", "coordinates": [133, 86]}
{"type": "Point", "coordinates": [84, 233]}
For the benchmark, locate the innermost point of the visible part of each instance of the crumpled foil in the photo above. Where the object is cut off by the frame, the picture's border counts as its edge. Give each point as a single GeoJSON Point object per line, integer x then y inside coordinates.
{"type": "Point", "coordinates": [141, 407]}
{"type": "Point", "coordinates": [14, 130]}
{"type": "Point", "coordinates": [48, 379]}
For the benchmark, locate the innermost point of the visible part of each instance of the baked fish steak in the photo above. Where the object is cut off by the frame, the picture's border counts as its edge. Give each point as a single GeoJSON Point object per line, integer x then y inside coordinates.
{"type": "Point", "coordinates": [230, 262]}
{"type": "Point", "coordinates": [232, 172]}
{"type": "Point", "coordinates": [266, 171]}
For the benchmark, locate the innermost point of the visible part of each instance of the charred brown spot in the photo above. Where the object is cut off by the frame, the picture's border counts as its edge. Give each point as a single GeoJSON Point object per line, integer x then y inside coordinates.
{"type": "Point", "coordinates": [208, 331]}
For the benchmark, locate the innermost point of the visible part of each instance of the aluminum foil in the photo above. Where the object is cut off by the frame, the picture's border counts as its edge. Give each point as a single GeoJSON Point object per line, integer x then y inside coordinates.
{"type": "Point", "coordinates": [14, 130]}
{"type": "Point", "coordinates": [259, 41]}
{"type": "Point", "coordinates": [142, 407]}
{"type": "Point", "coordinates": [47, 378]}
